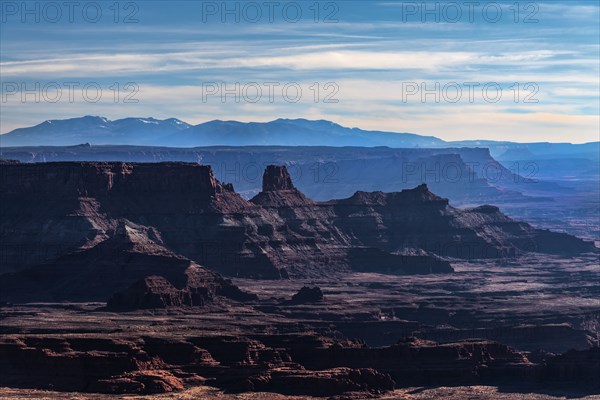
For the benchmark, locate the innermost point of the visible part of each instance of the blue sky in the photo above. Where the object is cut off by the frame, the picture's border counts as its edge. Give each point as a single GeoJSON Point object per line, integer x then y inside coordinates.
{"type": "Point", "coordinates": [376, 65]}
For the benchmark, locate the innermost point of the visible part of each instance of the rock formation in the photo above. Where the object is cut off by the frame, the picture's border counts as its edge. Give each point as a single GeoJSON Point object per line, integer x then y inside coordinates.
{"type": "Point", "coordinates": [308, 294]}
{"type": "Point", "coordinates": [202, 288]}
{"type": "Point", "coordinates": [155, 365]}
{"type": "Point", "coordinates": [276, 178]}
{"type": "Point", "coordinates": [138, 218]}
{"type": "Point", "coordinates": [303, 366]}
{"type": "Point", "coordinates": [132, 262]}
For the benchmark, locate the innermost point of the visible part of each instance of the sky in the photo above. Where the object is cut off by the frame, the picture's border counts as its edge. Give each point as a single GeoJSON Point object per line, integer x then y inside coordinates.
{"type": "Point", "coordinates": [520, 71]}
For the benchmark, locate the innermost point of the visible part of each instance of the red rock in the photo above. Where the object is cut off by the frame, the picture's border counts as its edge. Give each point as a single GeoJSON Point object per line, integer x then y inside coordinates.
{"type": "Point", "coordinates": [203, 287]}
{"type": "Point", "coordinates": [183, 209]}
{"type": "Point", "coordinates": [296, 365]}
{"type": "Point", "coordinates": [276, 178]}
{"type": "Point", "coordinates": [308, 295]}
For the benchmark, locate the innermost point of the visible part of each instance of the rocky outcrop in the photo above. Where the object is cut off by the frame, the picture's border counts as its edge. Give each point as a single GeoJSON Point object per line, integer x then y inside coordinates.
{"type": "Point", "coordinates": [276, 178]}
{"type": "Point", "coordinates": [189, 214]}
{"type": "Point", "coordinates": [202, 288]}
{"type": "Point", "coordinates": [86, 364]}
{"type": "Point", "coordinates": [307, 365]}
{"type": "Point", "coordinates": [156, 365]}
{"type": "Point", "coordinates": [424, 362]}
{"type": "Point", "coordinates": [97, 180]}
{"type": "Point", "coordinates": [308, 294]}
{"type": "Point", "coordinates": [419, 219]}
{"type": "Point", "coordinates": [280, 194]}
{"type": "Point", "coordinates": [131, 261]}
{"type": "Point", "coordinates": [150, 292]}
{"type": "Point", "coordinates": [157, 292]}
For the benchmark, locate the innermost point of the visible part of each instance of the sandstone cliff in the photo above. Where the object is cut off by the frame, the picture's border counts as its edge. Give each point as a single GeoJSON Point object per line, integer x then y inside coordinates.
{"type": "Point", "coordinates": [59, 215]}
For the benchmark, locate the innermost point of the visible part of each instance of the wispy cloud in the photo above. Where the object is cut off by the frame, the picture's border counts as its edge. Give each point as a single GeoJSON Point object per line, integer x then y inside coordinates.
{"type": "Point", "coordinates": [370, 53]}
{"type": "Point", "coordinates": [305, 59]}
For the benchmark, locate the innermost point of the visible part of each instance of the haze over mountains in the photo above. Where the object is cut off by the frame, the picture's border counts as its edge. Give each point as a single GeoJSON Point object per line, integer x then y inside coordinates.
{"type": "Point", "coordinates": [96, 130]}
{"type": "Point", "coordinates": [281, 132]}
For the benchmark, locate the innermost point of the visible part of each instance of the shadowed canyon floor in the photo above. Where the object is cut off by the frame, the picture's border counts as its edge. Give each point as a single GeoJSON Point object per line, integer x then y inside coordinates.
{"type": "Point", "coordinates": [538, 305]}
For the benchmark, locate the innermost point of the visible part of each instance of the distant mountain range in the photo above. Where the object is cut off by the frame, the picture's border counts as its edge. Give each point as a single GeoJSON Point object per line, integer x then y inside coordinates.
{"type": "Point", "coordinates": [93, 130]}
{"type": "Point", "coordinates": [281, 132]}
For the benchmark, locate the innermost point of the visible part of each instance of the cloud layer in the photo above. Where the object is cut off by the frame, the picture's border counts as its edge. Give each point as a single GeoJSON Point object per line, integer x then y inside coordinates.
{"type": "Point", "coordinates": [371, 61]}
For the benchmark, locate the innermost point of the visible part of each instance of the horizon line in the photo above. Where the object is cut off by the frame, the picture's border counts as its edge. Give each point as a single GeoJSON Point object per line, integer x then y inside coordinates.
{"type": "Point", "coordinates": [285, 119]}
